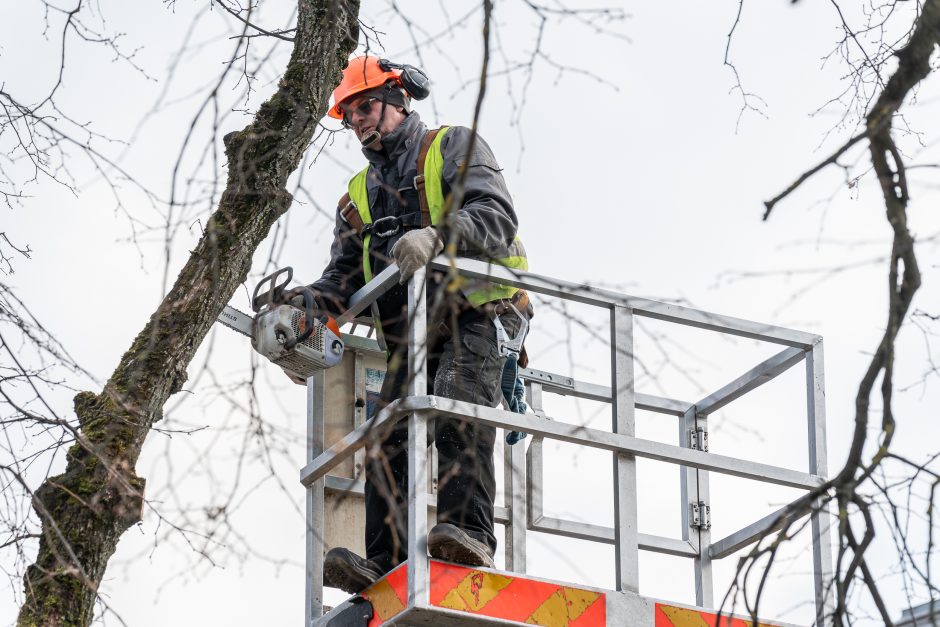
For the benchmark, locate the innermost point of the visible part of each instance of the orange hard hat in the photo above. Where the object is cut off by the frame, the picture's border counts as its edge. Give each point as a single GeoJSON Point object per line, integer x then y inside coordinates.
{"type": "Point", "coordinates": [361, 74]}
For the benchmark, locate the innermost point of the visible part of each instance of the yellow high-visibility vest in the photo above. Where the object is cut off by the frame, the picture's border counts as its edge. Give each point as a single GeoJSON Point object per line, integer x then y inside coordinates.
{"type": "Point", "coordinates": [477, 292]}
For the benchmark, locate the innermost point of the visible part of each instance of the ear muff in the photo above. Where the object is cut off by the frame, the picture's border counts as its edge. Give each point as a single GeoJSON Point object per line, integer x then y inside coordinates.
{"type": "Point", "coordinates": [415, 82]}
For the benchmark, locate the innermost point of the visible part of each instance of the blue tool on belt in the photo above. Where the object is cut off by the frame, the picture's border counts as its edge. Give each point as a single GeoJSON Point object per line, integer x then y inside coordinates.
{"type": "Point", "coordinates": [511, 383]}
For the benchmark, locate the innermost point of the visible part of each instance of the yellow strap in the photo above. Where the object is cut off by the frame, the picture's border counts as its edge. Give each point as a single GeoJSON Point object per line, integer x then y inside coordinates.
{"type": "Point", "coordinates": [434, 178]}
{"type": "Point", "coordinates": [359, 194]}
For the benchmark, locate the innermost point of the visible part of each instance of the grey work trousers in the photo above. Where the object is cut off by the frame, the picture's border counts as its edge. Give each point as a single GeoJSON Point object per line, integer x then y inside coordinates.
{"type": "Point", "coordinates": [467, 367]}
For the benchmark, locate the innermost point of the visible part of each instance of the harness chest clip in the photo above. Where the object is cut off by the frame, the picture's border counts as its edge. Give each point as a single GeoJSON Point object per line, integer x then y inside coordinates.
{"type": "Point", "coordinates": [384, 227]}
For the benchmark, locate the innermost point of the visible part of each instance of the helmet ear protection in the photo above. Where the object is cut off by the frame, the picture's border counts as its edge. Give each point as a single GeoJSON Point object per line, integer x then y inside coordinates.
{"type": "Point", "coordinates": [415, 82]}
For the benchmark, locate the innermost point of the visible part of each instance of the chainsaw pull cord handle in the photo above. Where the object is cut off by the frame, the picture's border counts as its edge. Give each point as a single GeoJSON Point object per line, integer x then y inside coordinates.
{"type": "Point", "coordinates": [311, 311]}
{"type": "Point", "coordinates": [275, 293]}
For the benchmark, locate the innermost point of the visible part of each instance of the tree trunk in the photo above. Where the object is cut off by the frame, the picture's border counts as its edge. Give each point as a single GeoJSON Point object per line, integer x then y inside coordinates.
{"type": "Point", "coordinates": [85, 510]}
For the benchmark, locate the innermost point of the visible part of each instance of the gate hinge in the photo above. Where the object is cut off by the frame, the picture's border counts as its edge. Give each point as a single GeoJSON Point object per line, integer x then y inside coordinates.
{"type": "Point", "coordinates": [700, 515]}
{"type": "Point", "coordinates": [698, 439]}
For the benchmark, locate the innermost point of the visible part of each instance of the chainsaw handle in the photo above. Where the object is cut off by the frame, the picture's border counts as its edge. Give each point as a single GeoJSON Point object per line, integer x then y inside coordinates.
{"type": "Point", "coordinates": [275, 292]}
{"type": "Point", "coordinates": [310, 314]}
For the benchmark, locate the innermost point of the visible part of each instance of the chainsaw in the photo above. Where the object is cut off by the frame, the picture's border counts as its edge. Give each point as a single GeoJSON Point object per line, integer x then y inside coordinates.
{"type": "Point", "coordinates": [301, 340]}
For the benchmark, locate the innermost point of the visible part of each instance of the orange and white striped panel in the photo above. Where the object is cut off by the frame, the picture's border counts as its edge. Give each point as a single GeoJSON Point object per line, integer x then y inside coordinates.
{"type": "Point", "coordinates": [673, 616]}
{"type": "Point", "coordinates": [492, 594]}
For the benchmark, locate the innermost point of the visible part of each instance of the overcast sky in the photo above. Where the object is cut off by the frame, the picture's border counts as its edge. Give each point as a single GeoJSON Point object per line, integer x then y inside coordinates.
{"type": "Point", "coordinates": [636, 169]}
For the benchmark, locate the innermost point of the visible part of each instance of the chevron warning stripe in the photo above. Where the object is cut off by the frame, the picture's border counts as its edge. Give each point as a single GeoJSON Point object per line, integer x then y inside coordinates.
{"type": "Point", "coordinates": [388, 595]}
{"type": "Point", "coordinates": [672, 616]}
{"type": "Point", "coordinates": [492, 594]}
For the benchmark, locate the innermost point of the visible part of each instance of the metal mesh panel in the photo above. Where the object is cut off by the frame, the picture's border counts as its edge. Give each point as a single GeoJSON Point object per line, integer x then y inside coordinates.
{"type": "Point", "coordinates": [296, 363]}
{"type": "Point", "coordinates": [315, 341]}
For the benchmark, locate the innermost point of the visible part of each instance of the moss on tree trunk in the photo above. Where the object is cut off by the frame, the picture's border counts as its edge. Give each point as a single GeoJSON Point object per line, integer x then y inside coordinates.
{"type": "Point", "coordinates": [85, 510]}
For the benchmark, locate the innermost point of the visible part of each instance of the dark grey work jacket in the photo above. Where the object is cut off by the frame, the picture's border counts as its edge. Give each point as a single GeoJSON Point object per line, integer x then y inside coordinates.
{"type": "Point", "coordinates": [485, 224]}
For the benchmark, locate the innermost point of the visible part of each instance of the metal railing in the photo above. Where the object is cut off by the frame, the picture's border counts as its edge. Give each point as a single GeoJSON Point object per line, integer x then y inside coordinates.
{"type": "Point", "coordinates": [523, 510]}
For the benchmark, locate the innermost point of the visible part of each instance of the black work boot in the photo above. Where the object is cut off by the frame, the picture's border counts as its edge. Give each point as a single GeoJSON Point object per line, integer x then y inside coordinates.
{"type": "Point", "coordinates": [452, 544]}
{"type": "Point", "coordinates": [347, 571]}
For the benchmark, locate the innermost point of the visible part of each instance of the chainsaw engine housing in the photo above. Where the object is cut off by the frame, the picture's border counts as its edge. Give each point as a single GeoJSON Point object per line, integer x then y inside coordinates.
{"type": "Point", "coordinates": [280, 326]}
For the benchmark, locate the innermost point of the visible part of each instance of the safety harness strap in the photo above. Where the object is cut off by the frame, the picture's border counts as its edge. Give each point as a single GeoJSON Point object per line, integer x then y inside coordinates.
{"type": "Point", "coordinates": [350, 213]}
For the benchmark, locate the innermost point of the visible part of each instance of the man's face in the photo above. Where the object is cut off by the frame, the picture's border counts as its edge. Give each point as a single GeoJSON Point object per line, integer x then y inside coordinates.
{"type": "Point", "coordinates": [362, 116]}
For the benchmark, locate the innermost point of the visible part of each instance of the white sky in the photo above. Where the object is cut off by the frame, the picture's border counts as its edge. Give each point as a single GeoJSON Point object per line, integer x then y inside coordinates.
{"type": "Point", "coordinates": [642, 184]}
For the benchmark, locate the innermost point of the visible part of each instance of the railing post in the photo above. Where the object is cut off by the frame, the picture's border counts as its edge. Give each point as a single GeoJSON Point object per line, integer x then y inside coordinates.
{"type": "Point", "coordinates": [515, 478]}
{"type": "Point", "coordinates": [313, 606]}
{"type": "Point", "coordinates": [688, 481]}
{"type": "Point", "coordinates": [818, 465]}
{"type": "Point", "coordinates": [359, 410]}
{"type": "Point", "coordinates": [626, 546]}
{"type": "Point", "coordinates": [417, 444]}
{"type": "Point", "coordinates": [533, 462]}
{"type": "Point", "coordinates": [704, 584]}
{"type": "Point", "coordinates": [694, 485]}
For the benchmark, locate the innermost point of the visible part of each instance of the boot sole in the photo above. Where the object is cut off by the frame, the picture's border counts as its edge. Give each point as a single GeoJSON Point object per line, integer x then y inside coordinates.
{"type": "Point", "coordinates": [347, 576]}
{"type": "Point", "coordinates": [452, 548]}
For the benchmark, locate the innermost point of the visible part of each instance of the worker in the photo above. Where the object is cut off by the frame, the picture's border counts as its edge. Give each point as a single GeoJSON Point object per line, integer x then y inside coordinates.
{"type": "Point", "coordinates": [394, 212]}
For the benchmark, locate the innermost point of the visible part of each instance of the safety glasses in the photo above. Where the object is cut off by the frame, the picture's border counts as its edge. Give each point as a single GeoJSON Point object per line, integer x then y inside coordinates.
{"type": "Point", "coordinates": [363, 108]}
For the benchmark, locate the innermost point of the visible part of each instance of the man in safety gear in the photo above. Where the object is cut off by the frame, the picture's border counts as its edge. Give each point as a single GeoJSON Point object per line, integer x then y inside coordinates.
{"type": "Point", "coordinates": [394, 211]}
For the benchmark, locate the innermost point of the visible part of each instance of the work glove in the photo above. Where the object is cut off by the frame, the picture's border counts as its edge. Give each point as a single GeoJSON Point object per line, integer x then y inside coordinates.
{"type": "Point", "coordinates": [295, 296]}
{"type": "Point", "coordinates": [415, 249]}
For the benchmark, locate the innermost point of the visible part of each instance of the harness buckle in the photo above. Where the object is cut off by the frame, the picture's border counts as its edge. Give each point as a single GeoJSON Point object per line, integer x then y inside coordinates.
{"type": "Point", "coordinates": [350, 215]}
{"type": "Point", "coordinates": [385, 227]}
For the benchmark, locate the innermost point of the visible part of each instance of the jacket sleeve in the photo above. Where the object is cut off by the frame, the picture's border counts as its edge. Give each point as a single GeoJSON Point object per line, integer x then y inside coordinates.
{"type": "Point", "coordinates": [343, 275]}
{"type": "Point", "coordinates": [485, 222]}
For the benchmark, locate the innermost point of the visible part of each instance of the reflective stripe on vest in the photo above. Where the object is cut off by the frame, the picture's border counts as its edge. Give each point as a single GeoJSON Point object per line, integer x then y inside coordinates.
{"type": "Point", "coordinates": [477, 292]}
